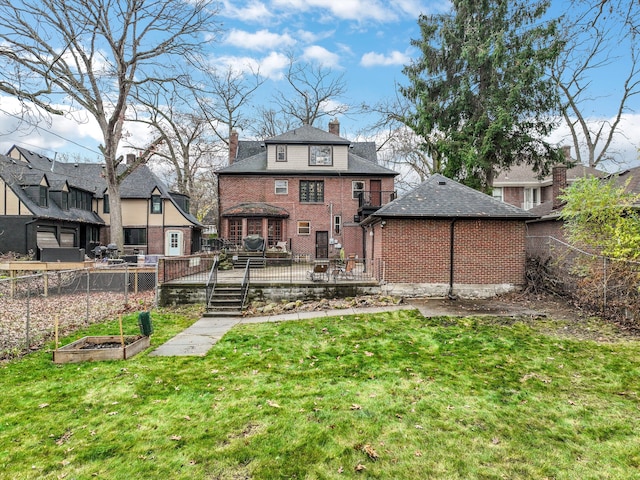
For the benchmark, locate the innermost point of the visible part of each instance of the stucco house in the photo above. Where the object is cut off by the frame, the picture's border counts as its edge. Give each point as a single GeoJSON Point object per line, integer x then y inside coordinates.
{"type": "Point", "coordinates": [306, 189]}
{"type": "Point", "coordinates": [49, 204]}
{"type": "Point", "coordinates": [444, 238]}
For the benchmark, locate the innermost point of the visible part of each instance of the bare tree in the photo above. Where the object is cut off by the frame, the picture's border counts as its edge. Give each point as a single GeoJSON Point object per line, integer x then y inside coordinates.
{"type": "Point", "coordinates": [313, 93]}
{"type": "Point", "coordinates": [92, 53]}
{"type": "Point", "coordinates": [597, 35]}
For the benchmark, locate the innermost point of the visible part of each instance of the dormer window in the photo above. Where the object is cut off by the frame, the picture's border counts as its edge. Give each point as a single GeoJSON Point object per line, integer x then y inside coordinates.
{"type": "Point", "coordinates": [44, 196]}
{"type": "Point", "coordinates": [281, 153]}
{"type": "Point", "coordinates": [65, 200]}
{"type": "Point", "coordinates": [320, 155]}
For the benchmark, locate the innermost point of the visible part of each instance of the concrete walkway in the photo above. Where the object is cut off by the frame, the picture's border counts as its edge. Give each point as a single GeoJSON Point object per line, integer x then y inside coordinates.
{"type": "Point", "coordinates": [198, 339]}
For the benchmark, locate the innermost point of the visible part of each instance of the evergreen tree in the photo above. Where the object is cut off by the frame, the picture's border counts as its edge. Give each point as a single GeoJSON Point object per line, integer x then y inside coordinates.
{"type": "Point", "coordinates": [480, 89]}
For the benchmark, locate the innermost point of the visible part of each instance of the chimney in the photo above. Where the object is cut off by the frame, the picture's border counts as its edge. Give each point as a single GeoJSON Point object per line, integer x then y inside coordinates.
{"type": "Point", "coordinates": [233, 146]}
{"type": "Point", "coordinates": [131, 158]}
{"type": "Point", "coordinates": [559, 177]}
{"type": "Point", "coordinates": [334, 127]}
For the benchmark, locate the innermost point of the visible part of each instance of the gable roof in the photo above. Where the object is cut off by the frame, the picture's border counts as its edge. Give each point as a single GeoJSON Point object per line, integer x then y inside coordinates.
{"type": "Point", "coordinates": [88, 177]}
{"type": "Point", "coordinates": [441, 197]}
{"type": "Point", "coordinates": [308, 134]}
{"type": "Point", "coordinates": [524, 176]}
{"type": "Point", "coordinates": [251, 157]}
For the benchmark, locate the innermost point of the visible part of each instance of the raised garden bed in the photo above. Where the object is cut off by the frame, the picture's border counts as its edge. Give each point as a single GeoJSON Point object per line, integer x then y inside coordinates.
{"type": "Point", "coordinates": [109, 347]}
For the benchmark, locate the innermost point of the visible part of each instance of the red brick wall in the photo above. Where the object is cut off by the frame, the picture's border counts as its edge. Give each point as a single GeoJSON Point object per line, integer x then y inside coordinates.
{"type": "Point", "coordinates": [486, 252]}
{"type": "Point", "coordinates": [337, 193]}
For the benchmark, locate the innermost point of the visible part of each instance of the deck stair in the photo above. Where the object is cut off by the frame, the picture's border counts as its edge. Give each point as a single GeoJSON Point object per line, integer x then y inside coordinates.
{"type": "Point", "coordinates": [255, 259]}
{"type": "Point", "coordinates": [225, 301]}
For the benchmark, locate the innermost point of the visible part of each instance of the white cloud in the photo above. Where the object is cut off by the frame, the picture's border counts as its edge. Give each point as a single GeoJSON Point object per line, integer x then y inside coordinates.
{"type": "Point", "coordinates": [270, 66]}
{"type": "Point", "coordinates": [260, 40]}
{"type": "Point", "coordinates": [253, 11]}
{"type": "Point", "coordinates": [373, 59]}
{"type": "Point", "coordinates": [322, 56]}
{"type": "Point", "coordinates": [344, 9]}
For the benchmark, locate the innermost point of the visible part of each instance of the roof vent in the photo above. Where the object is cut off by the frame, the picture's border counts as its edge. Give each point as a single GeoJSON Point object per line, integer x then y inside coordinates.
{"type": "Point", "coordinates": [441, 182]}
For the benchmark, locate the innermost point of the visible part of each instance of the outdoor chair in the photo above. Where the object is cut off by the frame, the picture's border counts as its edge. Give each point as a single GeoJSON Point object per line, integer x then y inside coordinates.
{"type": "Point", "coordinates": [319, 273]}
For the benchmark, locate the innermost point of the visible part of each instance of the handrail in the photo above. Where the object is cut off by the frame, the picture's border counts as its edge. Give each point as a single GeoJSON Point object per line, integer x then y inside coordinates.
{"type": "Point", "coordinates": [213, 278]}
{"type": "Point", "coordinates": [245, 282]}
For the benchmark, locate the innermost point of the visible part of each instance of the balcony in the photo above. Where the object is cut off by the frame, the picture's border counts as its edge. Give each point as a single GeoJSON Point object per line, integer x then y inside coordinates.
{"type": "Point", "coordinates": [370, 201]}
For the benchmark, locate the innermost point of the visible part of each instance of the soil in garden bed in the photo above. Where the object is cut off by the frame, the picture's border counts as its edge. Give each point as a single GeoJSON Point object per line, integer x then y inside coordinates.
{"type": "Point", "coordinates": [98, 346]}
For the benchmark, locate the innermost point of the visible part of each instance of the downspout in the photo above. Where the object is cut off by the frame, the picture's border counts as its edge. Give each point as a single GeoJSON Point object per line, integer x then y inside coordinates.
{"type": "Point", "coordinates": [450, 295]}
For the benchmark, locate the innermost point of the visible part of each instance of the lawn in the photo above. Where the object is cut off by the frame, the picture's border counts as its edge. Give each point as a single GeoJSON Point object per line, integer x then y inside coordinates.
{"type": "Point", "coordinates": [389, 396]}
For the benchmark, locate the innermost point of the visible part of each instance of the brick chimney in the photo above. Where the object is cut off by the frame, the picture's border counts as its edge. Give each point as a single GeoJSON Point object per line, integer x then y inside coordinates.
{"type": "Point", "coordinates": [334, 127]}
{"type": "Point", "coordinates": [233, 146]}
{"type": "Point", "coordinates": [131, 158]}
{"type": "Point", "coordinates": [559, 177]}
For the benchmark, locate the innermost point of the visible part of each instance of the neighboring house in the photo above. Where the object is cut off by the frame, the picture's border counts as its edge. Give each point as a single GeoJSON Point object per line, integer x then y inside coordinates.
{"type": "Point", "coordinates": [307, 187]}
{"type": "Point", "coordinates": [444, 238]}
{"type": "Point", "coordinates": [520, 185]}
{"type": "Point", "coordinates": [48, 204]}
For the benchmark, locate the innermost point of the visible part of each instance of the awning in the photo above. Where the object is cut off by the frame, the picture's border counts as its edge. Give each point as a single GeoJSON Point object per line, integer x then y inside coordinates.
{"type": "Point", "coordinates": [255, 209]}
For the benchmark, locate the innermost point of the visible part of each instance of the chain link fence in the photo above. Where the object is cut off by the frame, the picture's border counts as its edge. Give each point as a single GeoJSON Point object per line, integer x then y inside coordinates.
{"type": "Point", "coordinates": [598, 284]}
{"type": "Point", "coordinates": [31, 305]}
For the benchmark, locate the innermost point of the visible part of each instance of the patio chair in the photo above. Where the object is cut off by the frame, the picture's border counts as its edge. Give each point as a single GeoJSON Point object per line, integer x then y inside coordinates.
{"type": "Point", "coordinates": [319, 273]}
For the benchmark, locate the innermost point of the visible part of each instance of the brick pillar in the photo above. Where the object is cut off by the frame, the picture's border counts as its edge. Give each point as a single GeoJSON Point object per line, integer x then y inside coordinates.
{"type": "Point", "coordinates": [559, 178]}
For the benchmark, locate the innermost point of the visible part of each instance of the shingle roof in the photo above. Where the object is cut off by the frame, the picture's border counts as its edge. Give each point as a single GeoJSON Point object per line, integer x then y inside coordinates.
{"type": "Point", "coordinates": [523, 175]}
{"type": "Point", "coordinates": [83, 176]}
{"type": "Point", "coordinates": [441, 197]}
{"type": "Point", "coordinates": [308, 134]}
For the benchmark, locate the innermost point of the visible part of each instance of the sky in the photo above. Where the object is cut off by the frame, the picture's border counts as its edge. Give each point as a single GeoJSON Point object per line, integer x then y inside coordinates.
{"type": "Point", "coordinates": [368, 41]}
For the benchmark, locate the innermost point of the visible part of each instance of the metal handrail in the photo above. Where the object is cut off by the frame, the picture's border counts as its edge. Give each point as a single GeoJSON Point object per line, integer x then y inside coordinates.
{"type": "Point", "coordinates": [213, 278]}
{"type": "Point", "coordinates": [245, 282]}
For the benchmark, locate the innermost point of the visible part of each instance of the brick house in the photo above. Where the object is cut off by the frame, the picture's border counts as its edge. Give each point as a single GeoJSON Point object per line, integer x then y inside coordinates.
{"type": "Point", "coordinates": [522, 187]}
{"type": "Point", "coordinates": [307, 187]}
{"type": "Point", "coordinates": [48, 204]}
{"type": "Point", "coordinates": [444, 238]}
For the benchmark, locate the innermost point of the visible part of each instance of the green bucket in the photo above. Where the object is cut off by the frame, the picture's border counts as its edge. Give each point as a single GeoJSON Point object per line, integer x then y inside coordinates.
{"type": "Point", "coordinates": [144, 322]}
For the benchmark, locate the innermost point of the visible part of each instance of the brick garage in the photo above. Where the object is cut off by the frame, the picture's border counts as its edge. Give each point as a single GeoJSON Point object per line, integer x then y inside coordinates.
{"type": "Point", "coordinates": [411, 242]}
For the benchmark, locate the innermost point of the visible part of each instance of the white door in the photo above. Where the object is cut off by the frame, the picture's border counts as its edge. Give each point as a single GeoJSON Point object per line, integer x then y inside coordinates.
{"type": "Point", "coordinates": [174, 244]}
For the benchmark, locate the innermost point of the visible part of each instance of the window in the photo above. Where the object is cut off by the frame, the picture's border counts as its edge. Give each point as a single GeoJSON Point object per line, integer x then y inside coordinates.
{"type": "Point", "coordinates": [320, 155]}
{"type": "Point", "coordinates": [65, 201]}
{"type": "Point", "coordinates": [497, 193]}
{"type": "Point", "coordinates": [254, 226]}
{"type": "Point", "coordinates": [44, 196]}
{"type": "Point", "coordinates": [105, 204]}
{"type": "Point", "coordinates": [357, 189]}
{"type": "Point", "coordinates": [337, 224]}
{"type": "Point", "coordinates": [156, 204]}
{"type": "Point", "coordinates": [304, 227]}
{"type": "Point", "coordinates": [531, 197]}
{"type": "Point", "coordinates": [282, 187]}
{"type": "Point", "coordinates": [281, 153]}
{"type": "Point", "coordinates": [311, 191]}
{"type": "Point", "coordinates": [135, 236]}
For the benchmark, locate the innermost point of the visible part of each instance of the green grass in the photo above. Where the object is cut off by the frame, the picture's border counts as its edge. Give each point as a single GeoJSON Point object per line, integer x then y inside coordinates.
{"type": "Point", "coordinates": [430, 398]}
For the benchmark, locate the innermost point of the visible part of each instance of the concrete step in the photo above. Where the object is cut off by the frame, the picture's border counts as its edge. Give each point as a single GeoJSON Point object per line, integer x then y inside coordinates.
{"type": "Point", "coordinates": [222, 313]}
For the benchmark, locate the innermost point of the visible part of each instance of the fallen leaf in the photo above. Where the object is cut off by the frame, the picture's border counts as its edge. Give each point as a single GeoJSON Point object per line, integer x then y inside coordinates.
{"type": "Point", "coordinates": [176, 437]}
{"type": "Point", "coordinates": [355, 406]}
{"type": "Point", "coordinates": [418, 453]}
{"type": "Point", "coordinates": [495, 440]}
{"type": "Point", "coordinates": [340, 470]}
{"type": "Point", "coordinates": [273, 404]}
{"type": "Point", "coordinates": [111, 414]}
{"type": "Point", "coordinates": [419, 427]}
{"type": "Point", "coordinates": [43, 405]}
{"type": "Point", "coordinates": [371, 453]}
{"type": "Point", "coordinates": [368, 354]}
{"type": "Point", "coordinates": [187, 417]}
{"type": "Point", "coordinates": [360, 467]}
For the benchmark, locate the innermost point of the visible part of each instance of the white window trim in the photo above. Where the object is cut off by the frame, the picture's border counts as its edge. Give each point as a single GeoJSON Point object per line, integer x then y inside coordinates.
{"type": "Point", "coordinates": [284, 149]}
{"type": "Point", "coordinates": [313, 159]}
{"type": "Point", "coordinates": [337, 225]}
{"type": "Point", "coordinates": [284, 185]}
{"type": "Point", "coordinates": [355, 191]}
{"type": "Point", "coordinates": [304, 224]}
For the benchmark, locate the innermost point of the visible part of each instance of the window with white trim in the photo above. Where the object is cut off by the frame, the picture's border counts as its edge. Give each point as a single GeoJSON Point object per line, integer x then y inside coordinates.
{"type": "Point", "coordinates": [337, 225]}
{"type": "Point", "coordinates": [282, 187]}
{"type": "Point", "coordinates": [531, 197]}
{"type": "Point", "coordinates": [304, 227]}
{"type": "Point", "coordinates": [497, 193]}
{"type": "Point", "coordinates": [357, 188]}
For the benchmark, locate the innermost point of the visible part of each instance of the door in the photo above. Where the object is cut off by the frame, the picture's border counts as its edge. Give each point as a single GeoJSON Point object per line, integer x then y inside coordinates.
{"type": "Point", "coordinates": [322, 244]}
{"type": "Point", "coordinates": [173, 246]}
{"type": "Point", "coordinates": [376, 192]}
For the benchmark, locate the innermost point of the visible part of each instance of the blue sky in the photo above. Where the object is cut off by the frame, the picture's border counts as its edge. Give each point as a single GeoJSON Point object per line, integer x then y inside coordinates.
{"type": "Point", "coordinates": [368, 41]}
